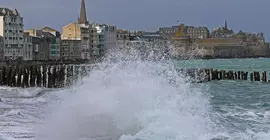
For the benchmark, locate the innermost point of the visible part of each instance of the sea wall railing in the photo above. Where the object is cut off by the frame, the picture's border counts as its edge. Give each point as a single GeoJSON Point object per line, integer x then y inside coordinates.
{"type": "Point", "coordinates": [60, 76]}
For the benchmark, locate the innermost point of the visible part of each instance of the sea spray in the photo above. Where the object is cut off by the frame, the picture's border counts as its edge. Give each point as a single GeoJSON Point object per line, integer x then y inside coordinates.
{"type": "Point", "coordinates": [130, 97]}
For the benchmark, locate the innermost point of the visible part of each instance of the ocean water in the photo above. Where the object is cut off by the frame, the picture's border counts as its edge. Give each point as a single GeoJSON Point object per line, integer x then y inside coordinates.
{"type": "Point", "coordinates": [134, 99]}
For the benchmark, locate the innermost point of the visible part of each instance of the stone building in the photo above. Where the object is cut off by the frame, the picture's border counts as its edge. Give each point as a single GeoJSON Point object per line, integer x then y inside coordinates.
{"type": "Point", "coordinates": [168, 32]}
{"type": "Point", "coordinates": [85, 32]}
{"type": "Point", "coordinates": [222, 48]}
{"type": "Point", "coordinates": [69, 49]}
{"type": "Point", "coordinates": [55, 44]}
{"type": "Point", "coordinates": [1, 48]}
{"type": "Point", "coordinates": [11, 29]}
{"type": "Point", "coordinates": [36, 43]}
{"type": "Point", "coordinates": [250, 39]}
{"type": "Point", "coordinates": [222, 32]}
{"type": "Point", "coordinates": [123, 38]}
{"type": "Point", "coordinates": [28, 47]}
{"type": "Point", "coordinates": [46, 45]}
{"type": "Point", "coordinates": [196, 32]}
{"type": "Point", "coordinates": [182, 30]}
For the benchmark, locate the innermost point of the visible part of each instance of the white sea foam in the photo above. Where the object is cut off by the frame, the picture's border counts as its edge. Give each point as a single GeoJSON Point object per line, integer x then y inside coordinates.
{"type": "Point", "coordinates": [131, 99]}
{"type": "Point", "coordinates": [10, 92]}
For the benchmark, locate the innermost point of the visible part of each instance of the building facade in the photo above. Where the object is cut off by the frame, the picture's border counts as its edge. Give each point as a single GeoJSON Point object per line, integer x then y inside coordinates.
{"type": "Point", "coordinates": [46, 46]}
{"type": "Point", "coordinates": [28, 47]}
{"type": "Point", "coordinates": [55, 43]}
{"type": "Point", "coordinates": [101, 39]}
{"type": "Point", "coordinates": [89, 42]}
{"type": "Point", "coordinates": [196, 32]}
{"type": "Point", "coordinates": [168, 32]}
{"type": "Point", "coordinates": [1, 48]}
{"type": "Point", "coordinates": [182, 30]}
{"type": "Point", "coordinates": [123, 38]}
{"type": "Point", "coordinates": [107, 38]}
{"type": "Point", "coordinates": [69, 49]}
{"type": "Point", "coordinates": [222, 32]}
{"type": "Point", "coordinates": [11, 29]}
{"type": "Point", "coordinates": [110, 37]}
{"type": "Point", "coordinates": [36, 43]}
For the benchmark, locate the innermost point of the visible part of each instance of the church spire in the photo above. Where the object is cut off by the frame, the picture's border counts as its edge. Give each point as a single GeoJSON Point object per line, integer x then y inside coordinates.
{"type": "Point", "coordinates": [83, 18]}
{"type": "Point", "coordinates": [226, 27]}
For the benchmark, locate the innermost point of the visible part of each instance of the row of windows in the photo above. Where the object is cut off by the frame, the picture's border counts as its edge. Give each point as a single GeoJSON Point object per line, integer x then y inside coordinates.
{"type": "Point", "coordinates": [13, 38]}
{"type": "Point", "coordinates": [197, 34]}
{"type": "Point", "coordinates": [162, 32]}
{"type": "Point", "coordinates": [197, 31]}
{"type": "Point", "coordinates": [16, 31]}
{"type": "Point", "coordinates": [20, 24]}
{"type": "Point", "coordinates": [71, 53]}
{"type": "Point", "coordinates": [13, 18]}
{"type": "Point", "coordinates": [18, 51]}
{"type": "Point", "coordinates": [16, 45]}
{"type": "Point", "coordinates": [70, 44]}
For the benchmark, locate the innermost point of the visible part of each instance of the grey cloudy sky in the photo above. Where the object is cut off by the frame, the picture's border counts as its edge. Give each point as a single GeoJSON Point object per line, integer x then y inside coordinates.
{"type": "Point", "coordinates": [247, 15]}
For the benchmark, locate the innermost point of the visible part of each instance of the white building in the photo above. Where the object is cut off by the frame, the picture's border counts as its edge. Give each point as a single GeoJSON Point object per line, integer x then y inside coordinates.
{"type": "Point", "coordinates": [107, 38]}
{"type": "Point", "coordinates": [11, 28]}
{"type": "Point", "coordinates": [110, 37]}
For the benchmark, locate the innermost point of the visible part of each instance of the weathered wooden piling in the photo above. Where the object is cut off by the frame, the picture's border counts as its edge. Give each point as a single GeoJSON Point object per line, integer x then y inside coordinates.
{"type": "Point", "coordinates": [32, 76]}
{"type": "Point", "coordinates": [13, 77]}
{"type": "Point", "coordinates": [39, 76]}
{"type": "Point", "coordinates": [44, 75]}
{"type": "Point", "coordinates": [59, 76]}
{"type": "Point", "coordinates": [264, 76]}
{"type": "Point", "coordinates": [62, 76]}
{"type": "Point", "coordinates": [54, 76]}
{"type": "Point", "coordinates": [19, 76]}
{"type": "Point", "coordinates": [49, 73]}
{"type": "Point", "coordinates": [257, 76]}
{"type": "Point", "coordinates": [69, 75]}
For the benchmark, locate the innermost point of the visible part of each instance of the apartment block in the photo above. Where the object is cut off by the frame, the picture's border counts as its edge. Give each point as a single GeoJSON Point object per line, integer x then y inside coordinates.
{"type": "Point", "coordinates": [11, 29]}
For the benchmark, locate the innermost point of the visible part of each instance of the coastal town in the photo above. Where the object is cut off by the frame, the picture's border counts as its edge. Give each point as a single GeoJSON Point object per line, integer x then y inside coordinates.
{"type": "Point", "coordinates": [85, 41]}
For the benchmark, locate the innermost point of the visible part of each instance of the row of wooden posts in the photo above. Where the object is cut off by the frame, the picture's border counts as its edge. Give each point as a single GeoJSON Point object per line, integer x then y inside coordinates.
{"type": "Point", "coordinates": [49, 76]}
{"type": "Point", "coordinates": [59, 76]}
{"type": "Point", "coordinates": [207, 75]}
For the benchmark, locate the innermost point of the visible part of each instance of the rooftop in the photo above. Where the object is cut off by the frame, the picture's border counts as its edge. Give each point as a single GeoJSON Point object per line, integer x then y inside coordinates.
{"type": "Point", "coordinates": [6, 11]}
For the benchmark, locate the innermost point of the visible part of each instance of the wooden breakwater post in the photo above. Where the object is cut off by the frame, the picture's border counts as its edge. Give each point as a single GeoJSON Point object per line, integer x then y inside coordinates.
{"type": "Point", "coordinates": [49, 76]}
{"type": "Point", "coordinates": [215, 75]}
{"type": "Point", "coordinates": [59, 76]}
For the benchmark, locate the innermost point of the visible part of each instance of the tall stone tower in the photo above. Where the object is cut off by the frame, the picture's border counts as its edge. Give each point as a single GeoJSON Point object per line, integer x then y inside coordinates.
{"type": "Point", "coordinates": [83, 18]}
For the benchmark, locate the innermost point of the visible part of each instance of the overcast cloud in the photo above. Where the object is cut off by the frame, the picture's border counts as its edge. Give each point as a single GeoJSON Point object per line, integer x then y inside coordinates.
{"type": "Point", "coordinates": [247, 15]}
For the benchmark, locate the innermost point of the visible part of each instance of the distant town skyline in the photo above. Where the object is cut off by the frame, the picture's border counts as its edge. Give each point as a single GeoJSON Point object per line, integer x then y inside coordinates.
{"type": "Point", "coordinates": [246, 15]}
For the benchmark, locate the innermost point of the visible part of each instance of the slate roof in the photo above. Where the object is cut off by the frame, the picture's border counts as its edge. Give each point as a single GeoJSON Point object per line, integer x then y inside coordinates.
{"type": "Point", "coordinates": [5, 11]}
